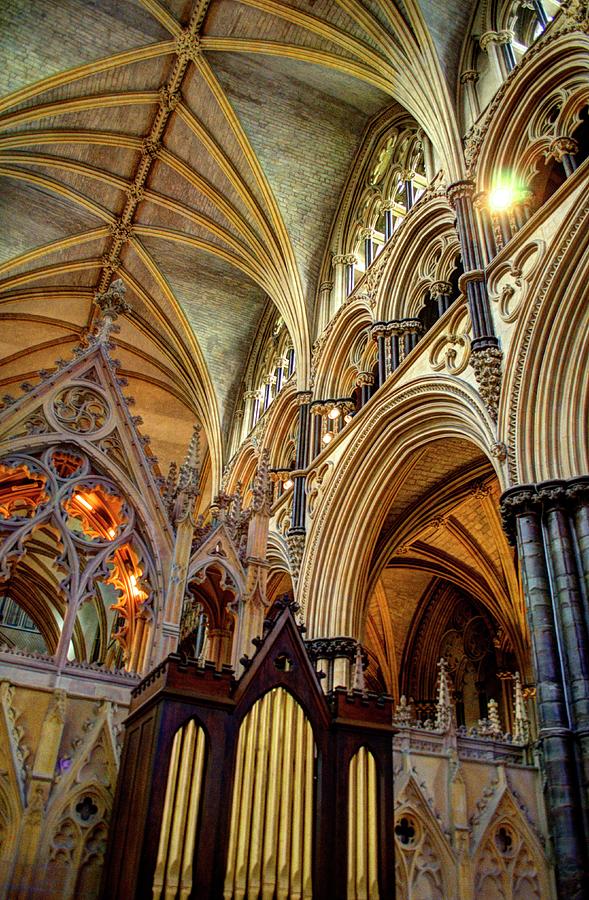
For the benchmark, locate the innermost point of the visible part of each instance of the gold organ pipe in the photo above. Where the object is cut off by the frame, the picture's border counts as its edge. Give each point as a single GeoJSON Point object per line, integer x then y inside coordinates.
{"type": "Point", "coordinates": [272, 816]}
{"type": "Point", "coordinates": [180, 810]}
{"type": "Point", "coordinates": [308, 817]}
{"type": "Point", "coordinates": [286, 810]}
{"type": "Point", "coordinates": [244, 827]}
{"type": "Point", "coordinates": [372, 829]}
{"type": "Point", "coordinates": [261, 773]}
{"type": "Point", "coordinates": [352, 814]}
{"type": "Point", "coordinates": [235, 809]}
{"type": "Point", "coordinates": [162, 853]}
{"type": "Point", "coordinates": [271, 833]}
{"type": "Point", "coordinates": [297, 811]}
{"type": "Point", "coordinates": [362, 828]}
{"type": "Point", "coordinates": [191, 819]}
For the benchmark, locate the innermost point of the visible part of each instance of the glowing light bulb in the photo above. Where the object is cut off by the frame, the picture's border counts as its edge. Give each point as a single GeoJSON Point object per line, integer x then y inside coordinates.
{"type": "Point", "coordinates": [328, 437]}
{"type": "Point", "coordinates": [348, 418]}
{"type": "Point", "coordinates": [83, 501]}
{"type": "Point", "coordinates": [334, 413]}
{"type": "Point", "coordinates": [112, 532]}
{"type": "Point", "coordinates": [288, 484]}
{"type": "Point", "coordinates": [133, 579]}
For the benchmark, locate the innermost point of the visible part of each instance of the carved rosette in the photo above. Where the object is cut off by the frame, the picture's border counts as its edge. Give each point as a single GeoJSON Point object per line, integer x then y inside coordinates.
{"type": "Point", "coordinates": [487, 370]}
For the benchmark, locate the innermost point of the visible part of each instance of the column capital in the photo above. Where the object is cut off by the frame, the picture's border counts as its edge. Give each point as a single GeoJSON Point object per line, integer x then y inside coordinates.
{"type": "Point", "coordinates": [514, 502]}
{"type": "Point", "coordinates": [553, 494]}
{"type": "Point", "coordinates": [578, 490]}
{"type": "Point", "coordinates": [441, 288]}
{"type": "Point", "coordinates": [378, 329]}
{"type": "Point", "coordinates": [495, 37]}
{"type": "Point", "coordinates": [303, 397]}
{"type": "Point", "coordinates": [364, 379]}
{"type": "Point", "coordinates": [459, 190]}
{"type": "Point", "coordinates": [407, 175]}
{"type": "Point", "coordinates": [251, 395]}
{"type": "Point", "coordinates": [367, 233]}
{"type": "Point", "coordinates": [561, 146]}
{"type": "Point", "coordinates": [411, 326]}
{"type": "Point", "coordinates": [469, 75]}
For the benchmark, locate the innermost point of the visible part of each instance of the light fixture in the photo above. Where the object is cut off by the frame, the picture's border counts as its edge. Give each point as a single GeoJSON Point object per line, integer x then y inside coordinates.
{"type": "Point", "coordinates": [328, 437]}
{"type": "Point", "coordinates": [348, 417]}
{"type": "Point", "coordinates": [83, 501]}
{"type": "Point", "coordinates": [133, 579]}
{"type": "Point", "coordinates": [112, 533]}
{"type": "Point", "coordinates": [334, 413]}
{"type": "Point", "coordinates": [288, 484]}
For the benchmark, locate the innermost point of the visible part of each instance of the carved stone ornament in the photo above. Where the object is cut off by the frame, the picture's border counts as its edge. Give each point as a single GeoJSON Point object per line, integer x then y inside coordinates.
{"type": "Point", "coordinates": [487, 370]}
{"type": "Point", "coordinates": [80, 409]}
{"type": "Point", "coordinates": [296, 548]}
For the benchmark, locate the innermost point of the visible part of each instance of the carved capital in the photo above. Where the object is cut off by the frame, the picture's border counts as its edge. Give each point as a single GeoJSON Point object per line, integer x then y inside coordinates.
{"type": "Point", "coordinates": [295, 539]}
{"type": "Point", "coordinates": [517, 501]}
{"type": "Point", "coordinates": [563, 146]}
{"type": "Point", "coordinates": [112, 302]}
{"type": "Point", "coordinates": [553, 494]}
{"type": "Point", "coordinates": [578, 12]}
{"type": "Point", "coordinates": [441, 289]}
{"type": "Point", "coordinates": [460, 190]}
{"type": "Point", "coordinates": [487, 369]}
{"type": "Point", "coordinates": [364, 379]}
{"type": "Point", "coordinates": [303, 397]}
{"type": "Point", "coordinates": [469, 75]}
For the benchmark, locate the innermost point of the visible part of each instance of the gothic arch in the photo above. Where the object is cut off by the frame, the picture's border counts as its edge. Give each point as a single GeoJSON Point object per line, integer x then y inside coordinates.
{"type": "Point", "coordinates": [357, 496]}
{"type": "Point", "coordinates": [547, 359]}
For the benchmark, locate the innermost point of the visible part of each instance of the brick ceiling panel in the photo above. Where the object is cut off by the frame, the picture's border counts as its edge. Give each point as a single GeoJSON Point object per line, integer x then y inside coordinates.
{"type": "Point", "coordinates": [61, 34]}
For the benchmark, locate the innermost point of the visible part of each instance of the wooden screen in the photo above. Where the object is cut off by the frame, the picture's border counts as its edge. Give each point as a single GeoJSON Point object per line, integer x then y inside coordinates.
{"type": "Point", "coordinates": [362, 828]}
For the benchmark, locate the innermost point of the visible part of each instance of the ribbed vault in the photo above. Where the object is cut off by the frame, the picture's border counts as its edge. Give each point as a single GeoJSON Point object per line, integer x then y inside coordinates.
{"type": "Point", "coordinates": [198, 151]}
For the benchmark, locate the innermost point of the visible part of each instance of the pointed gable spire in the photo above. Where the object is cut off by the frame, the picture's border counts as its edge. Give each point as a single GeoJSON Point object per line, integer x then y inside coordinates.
{"type": "Point", "coordinates": [189, 473]}
{"type": "Point", "coordinates": [262, 491]}
{"type": "Point", "coordinates": [521, 726]}
{"type": "Point", "coordinates": [444, 705]}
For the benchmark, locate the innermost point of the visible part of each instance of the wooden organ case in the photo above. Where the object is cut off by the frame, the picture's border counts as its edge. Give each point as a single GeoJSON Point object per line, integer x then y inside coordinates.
{"type": "Point", "coordinates": [262, 787]}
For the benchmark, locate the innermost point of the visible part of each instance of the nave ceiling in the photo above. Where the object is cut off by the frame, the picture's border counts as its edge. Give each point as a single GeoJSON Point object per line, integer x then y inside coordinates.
{"type": "Point", "coordinates": [198, 151]}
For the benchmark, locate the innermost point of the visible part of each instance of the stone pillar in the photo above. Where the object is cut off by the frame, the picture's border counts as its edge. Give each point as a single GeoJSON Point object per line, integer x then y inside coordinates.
{"type": "Point", "coordinates": [481, 205]}
{"type": "Point", "coordinates": [538, 8]}
{"type": "Point", "coordinates": [388, 208]}
{"type": "Point", "coordinates": [378, 333]}
{"type": "Point", "coordinates": [365, 381]}
{"type": "Point", "coordinates": [412, 329]}
{"type": "Point", "coordinates": [537, 520]}
{"type": "Point", "coordinates": [490, 45]}
{"type": "Point", "coordinates": [395, 329]}
{"type": "Point", "coordinates": [407, 178]}
{"type": "Point", "coordinates": [564, 149]}
{"type": "Point", "coordinates": [368, 235]}
{"type": "Point", "coordinates": [429, 163]}
{"type": "Point", "coordinates": [338, 264]}
{"type": "Point", "coordinates": [469, 79]}
{"type": "Point", "coordinates": [441, 292]}
{"type": "Point", "coordinates": [505, 41]}
{"type": "Point", "coordinates": [302, 459]}
{"type": "Point", "coordinates": [350, 262]}
{"type": "Point", "coordinates": [326, 302]}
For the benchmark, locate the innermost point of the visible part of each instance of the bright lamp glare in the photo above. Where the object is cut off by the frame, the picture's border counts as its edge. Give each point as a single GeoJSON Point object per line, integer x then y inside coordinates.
{"type": "Point", "coordinates": [288, 484]}
{"type": "Point", "coordinates": [501, 197]}
{"type": "Point", "coordinates": [327, 437]}
{"type": "Point", "coordinates": [334, 413]}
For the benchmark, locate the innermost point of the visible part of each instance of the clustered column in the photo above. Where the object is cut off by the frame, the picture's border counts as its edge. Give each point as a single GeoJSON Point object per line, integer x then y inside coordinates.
{"type": "Point", "coordinates": [549, 522]}
{"type": "Point", "coordinates": [302, 458]}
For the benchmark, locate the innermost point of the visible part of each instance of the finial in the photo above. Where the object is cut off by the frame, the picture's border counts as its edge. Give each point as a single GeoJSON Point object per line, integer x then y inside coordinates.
{"type": "Point", "coordinates": [262, 490]}
{"type": "Point", "coordinates": [444, 705]}
{"type": "Point", "coordinates": [521, 727]}
{"type": "Point", "coordinates": [189, 474]}
{"type": "Point", "coordinates": [493, 717]}
{"type": "Point", "coordinates": [358, 681]}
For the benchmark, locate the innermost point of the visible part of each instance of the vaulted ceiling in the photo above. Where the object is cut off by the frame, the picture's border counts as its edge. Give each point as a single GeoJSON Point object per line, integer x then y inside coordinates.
{"type": "Point", "coordinates": [198, 151]}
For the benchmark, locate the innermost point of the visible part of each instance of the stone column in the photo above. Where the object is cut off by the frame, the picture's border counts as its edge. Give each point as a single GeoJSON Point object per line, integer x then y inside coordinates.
{"type": "Point", "coordinates": [378, 333]}
{"type": "Point", "coordinates": [532, 519]}
{"type": "Point", "coordinates": [469, 79]}
{"type": "Point", "coordinates": [407, 178]}
{"type": "Point", "coordinates": [338, 264]}
{"type": "Point", "coordinates": [429, 163]}
{"type": "Point", "coordinates": [564, 149]}
{"type": "Point", "coordinates": [412, 329]}
{"type": "Point", "coordinates": [368, 235]}
{"type": "Point", "coordinates": [505, 41]}
{"type": "Point", "coordinates": [395, 330]}
{"type": "Point", "coordinates": [302, 459]}
{"type": "Point", "coordinates": [326, 302]}
{"type": "Point", "coordinates": [249, 399]}
{"type": "Point", "coordinates": [481, 205]}
{"type": "Point", "coordinates": [486, 356]}
{"type": "Point", "coordinates": [441, 292]}
{"type": "Point", "coordinates": [365, 381]}
{"type": "Point", "coordinates": [388, 207]}
{"type": "Point", "coordinates": [490, 44]}
{"type": "Point", "coordinates": [350, 262]}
